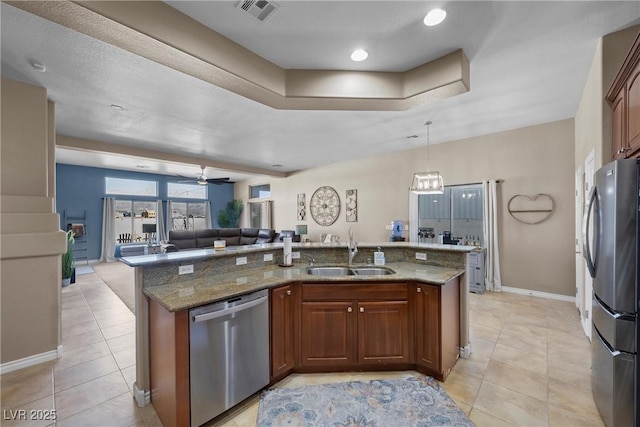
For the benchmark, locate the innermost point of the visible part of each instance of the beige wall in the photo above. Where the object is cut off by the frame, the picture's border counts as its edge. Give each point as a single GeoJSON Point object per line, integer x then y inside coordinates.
{"type": "Point", "coordinates": [31, 242]}
{"type": "Point", "coordinates": [531, 160]}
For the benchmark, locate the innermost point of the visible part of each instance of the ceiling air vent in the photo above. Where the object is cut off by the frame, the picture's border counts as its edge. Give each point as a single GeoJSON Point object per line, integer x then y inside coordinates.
{"type": "Point", "coordinates": [259, 9]}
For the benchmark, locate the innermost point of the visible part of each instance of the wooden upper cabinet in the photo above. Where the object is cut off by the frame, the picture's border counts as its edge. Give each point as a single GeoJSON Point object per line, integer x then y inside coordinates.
{"type": "Point", "coordinates": [617, 124]}
{"type": "Point", "coordinates": [624, 98]}
{"type": "Point", "coordinates": [633, 109]}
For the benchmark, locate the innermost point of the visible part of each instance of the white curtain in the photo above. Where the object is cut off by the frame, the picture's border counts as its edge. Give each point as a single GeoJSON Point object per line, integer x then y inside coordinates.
{"type": "Point", "coordinates": [493, 281]}
{"type": "Point", "coordinates": [263, 210]}
{"type": "Point", "coordinates": [161, 232]}
{"type": "Point", "coordinates": [108, 253]}
{"type": "Point", "coordinates": [207, 215]}
{"type": "Point", "coordinates": [169, 219]}
{"type": "Point", "coordinates": [413, 217]}
{"type": "Point", "coordinates": [265, 214]}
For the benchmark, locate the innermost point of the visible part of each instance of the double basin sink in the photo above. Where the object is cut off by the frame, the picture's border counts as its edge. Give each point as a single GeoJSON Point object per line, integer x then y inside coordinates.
{"type": "Point", "coordinates": [349, 271]}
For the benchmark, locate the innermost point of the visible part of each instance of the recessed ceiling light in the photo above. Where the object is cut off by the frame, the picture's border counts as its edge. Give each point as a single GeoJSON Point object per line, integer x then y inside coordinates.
{"type": "Point", "coordinates": [359, 55]}
{"type": "Point", "coordinates": [412, 136]}
{"type": "Point", "coordinates": [277, 165]}
{"type": "Point", "coordinates": [117, 107]}
{"type": "Point", "coordinates": [38, 66]}
{"type": "Point", "coordinates": [434, 17]}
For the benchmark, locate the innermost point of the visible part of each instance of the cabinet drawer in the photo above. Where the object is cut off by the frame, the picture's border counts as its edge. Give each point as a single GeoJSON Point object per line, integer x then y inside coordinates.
{"type": "Point", "coordinates": [340, 291]}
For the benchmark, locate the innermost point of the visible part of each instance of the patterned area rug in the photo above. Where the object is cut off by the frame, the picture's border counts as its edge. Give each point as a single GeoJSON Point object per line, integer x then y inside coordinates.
{"type": "Point", "coordinates": [417, 401]}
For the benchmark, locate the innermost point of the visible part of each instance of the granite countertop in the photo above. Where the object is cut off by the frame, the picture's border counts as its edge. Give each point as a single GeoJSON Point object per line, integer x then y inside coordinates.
{"type": "Point", "coordinates": [192, 293]}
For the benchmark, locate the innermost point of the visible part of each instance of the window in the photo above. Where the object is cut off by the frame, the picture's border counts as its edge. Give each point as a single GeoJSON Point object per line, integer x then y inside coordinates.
{"type": "Point", "coordinates": [135, 221]}
{"type": "Point", "coordinates": [186, 191]}
{"type": "Point", "coordinates": [458, 210]}
{"type": "Point", "coordinates": [259, 191]}
{"type": "Point", "coordinates": [188, 216]}
{"type": "Point", "coordinates": [131, 187]}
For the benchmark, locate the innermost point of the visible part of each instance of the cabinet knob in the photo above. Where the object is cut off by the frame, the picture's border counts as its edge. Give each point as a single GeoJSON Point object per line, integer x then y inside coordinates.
{"type": "Point", "coordinates": [289, 292]}
{"type": "Point", "coordinates": [361, 309]}
{"type": "Point", "coordinates": [419, 290]}
{"type": "Point", "coordinates": [349, 310]}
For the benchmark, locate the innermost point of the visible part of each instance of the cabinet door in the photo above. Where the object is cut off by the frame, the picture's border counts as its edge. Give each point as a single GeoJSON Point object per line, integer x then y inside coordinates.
{"type": "Point", "coordinates": [633, 113]}
{"type": "Point", "coordinates": [383, 332]}
{"type": "Point", "coordinates": [327, 333]}
{"type": "Point", "coordinates": [428, 326]}
{"type": "Point", "coordinates": [282, 315]}
{"type": "Point", "coordinates": [617, 123]}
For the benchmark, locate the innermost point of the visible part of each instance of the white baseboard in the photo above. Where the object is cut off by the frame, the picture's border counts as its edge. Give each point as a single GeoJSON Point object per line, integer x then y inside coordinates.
{"type": "Point", "coordinates": [142, 397]}
{"type": "Point", "coordinates": [539, 294]}
{"type": "Point", "coordinates": [25, 362]}
{"type": "Point", "coordinates": [465, 352]}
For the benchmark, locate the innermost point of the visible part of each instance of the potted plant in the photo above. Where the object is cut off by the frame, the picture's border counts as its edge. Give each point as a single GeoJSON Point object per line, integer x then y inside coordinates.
{"type": "Point", "coordinates": [230, 217]}
{"type": "Point", "coordinates": [67, 260]}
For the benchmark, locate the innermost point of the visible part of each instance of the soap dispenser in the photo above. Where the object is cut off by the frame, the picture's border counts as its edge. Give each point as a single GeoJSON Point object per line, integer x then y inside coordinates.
{"type": "Point", "coordinates": [378, 257]}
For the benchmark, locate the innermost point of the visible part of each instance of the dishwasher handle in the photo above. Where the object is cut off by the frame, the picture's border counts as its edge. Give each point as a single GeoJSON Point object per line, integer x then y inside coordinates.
{"type": "Point", "coordinates": [220, 313]}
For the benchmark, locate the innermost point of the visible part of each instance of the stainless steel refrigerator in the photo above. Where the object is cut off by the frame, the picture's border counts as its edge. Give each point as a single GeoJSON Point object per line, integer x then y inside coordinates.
{"type": "Point", "coordinates": [611, 236]}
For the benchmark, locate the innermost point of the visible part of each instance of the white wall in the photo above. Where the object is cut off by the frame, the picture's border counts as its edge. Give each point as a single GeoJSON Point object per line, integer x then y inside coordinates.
{"type": "Point", "coordinates": [537, 159]}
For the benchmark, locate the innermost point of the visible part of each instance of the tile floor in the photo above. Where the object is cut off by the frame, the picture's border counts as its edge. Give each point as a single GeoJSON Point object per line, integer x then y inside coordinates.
{"type": "Point", "coordinates": [529, 367]}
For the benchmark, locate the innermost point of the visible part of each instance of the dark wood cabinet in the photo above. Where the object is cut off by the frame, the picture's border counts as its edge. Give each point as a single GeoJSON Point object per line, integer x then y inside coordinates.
{"type": "Point", "coordinates": [169, 364]}
{"type": "Point", "coordinates": [617, 126]}
{"type": "Point", "coordinates": [345, 325]}
{"type": "Point", "coordinates": [282, 311]}
{"type": "Point", "coordinates": [383, 332]}
{"type": "Point", "coordinates": [328, 333]}
{"type": "Point", "coordinates": [437, 331]}
{"type": "Point", "coordinates": [624, 98]}
{"type": "Point", "coordinates": [427, 319]}
{"type": "Point", "coordinates": [633, 111]}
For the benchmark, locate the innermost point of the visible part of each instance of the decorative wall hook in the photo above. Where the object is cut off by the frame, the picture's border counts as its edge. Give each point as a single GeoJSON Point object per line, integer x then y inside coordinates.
{"type": "Point", "coordinates": [531, 209]}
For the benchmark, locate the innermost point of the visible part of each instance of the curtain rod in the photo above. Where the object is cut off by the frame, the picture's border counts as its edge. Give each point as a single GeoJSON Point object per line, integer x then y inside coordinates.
{"type": "Point", "coordinates": [472, 183]}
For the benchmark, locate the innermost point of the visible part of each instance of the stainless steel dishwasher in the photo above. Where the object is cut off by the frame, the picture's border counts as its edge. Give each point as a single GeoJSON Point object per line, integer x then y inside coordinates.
{"type": "Point", "coordinates": [229, 353]}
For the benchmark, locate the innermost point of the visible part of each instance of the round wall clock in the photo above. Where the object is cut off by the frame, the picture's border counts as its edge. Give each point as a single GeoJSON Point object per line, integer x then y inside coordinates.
{"type": "Point", "coordinates": [325, 206]}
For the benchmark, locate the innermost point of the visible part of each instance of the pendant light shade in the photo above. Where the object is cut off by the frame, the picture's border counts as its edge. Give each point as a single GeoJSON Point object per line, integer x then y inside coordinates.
{"type": "Point", "coordinates": [427, 182]}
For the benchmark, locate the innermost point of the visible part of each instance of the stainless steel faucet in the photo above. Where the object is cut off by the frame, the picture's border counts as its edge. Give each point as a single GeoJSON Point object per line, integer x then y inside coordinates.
{"type": "Point", "coordinates": [352, 247]}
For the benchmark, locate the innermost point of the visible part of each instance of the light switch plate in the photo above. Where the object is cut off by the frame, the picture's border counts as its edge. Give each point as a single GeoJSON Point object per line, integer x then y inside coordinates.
{"type": "Point", "coordinates": [241, 260]}
{"type": "Point", "coordinates": [421, 256]}
{"type": "Point", "coordinates": [185, 269]}
{"type": "Point", "coordinates": [268, 257]}
{"type": "Point", "coordinates": [295, 255]}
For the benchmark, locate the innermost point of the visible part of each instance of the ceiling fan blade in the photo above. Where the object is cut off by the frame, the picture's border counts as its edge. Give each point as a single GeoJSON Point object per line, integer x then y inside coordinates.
{"type": "Point", "coordinates": [217, 180]}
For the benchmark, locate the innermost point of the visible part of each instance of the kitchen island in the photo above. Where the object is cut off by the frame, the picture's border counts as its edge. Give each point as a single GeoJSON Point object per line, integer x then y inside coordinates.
{"type": "Point", "coordinates": [424, 301]}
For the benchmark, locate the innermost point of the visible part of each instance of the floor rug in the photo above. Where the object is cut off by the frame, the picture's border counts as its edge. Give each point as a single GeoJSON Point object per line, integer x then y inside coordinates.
{"type": "Point", "coordinates": [120, 278]}
{"type": "Point", "coordinates": [415, 401]}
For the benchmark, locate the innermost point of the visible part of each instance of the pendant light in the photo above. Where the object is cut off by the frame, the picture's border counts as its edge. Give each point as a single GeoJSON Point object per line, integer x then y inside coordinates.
{"type": "Point", "coordinates": [427, 182]}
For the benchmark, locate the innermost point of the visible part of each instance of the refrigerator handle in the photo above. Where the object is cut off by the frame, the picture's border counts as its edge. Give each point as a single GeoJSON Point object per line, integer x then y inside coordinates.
{"type": "Point", "coordinates": [586, 248]}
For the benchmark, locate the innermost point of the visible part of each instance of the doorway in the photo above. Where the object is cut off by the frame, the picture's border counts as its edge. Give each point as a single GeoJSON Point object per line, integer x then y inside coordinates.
{"type": "Point", "coordinates": [585, 315]}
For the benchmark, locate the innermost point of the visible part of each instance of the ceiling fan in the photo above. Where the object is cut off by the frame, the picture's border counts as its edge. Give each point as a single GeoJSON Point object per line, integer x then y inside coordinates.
{"type": "Point", "coordinates": [203, 180]}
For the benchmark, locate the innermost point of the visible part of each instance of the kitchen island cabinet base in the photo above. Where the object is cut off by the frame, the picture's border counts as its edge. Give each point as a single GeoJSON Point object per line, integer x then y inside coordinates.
{"type": "Point", "coordinates": [425, 317]}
